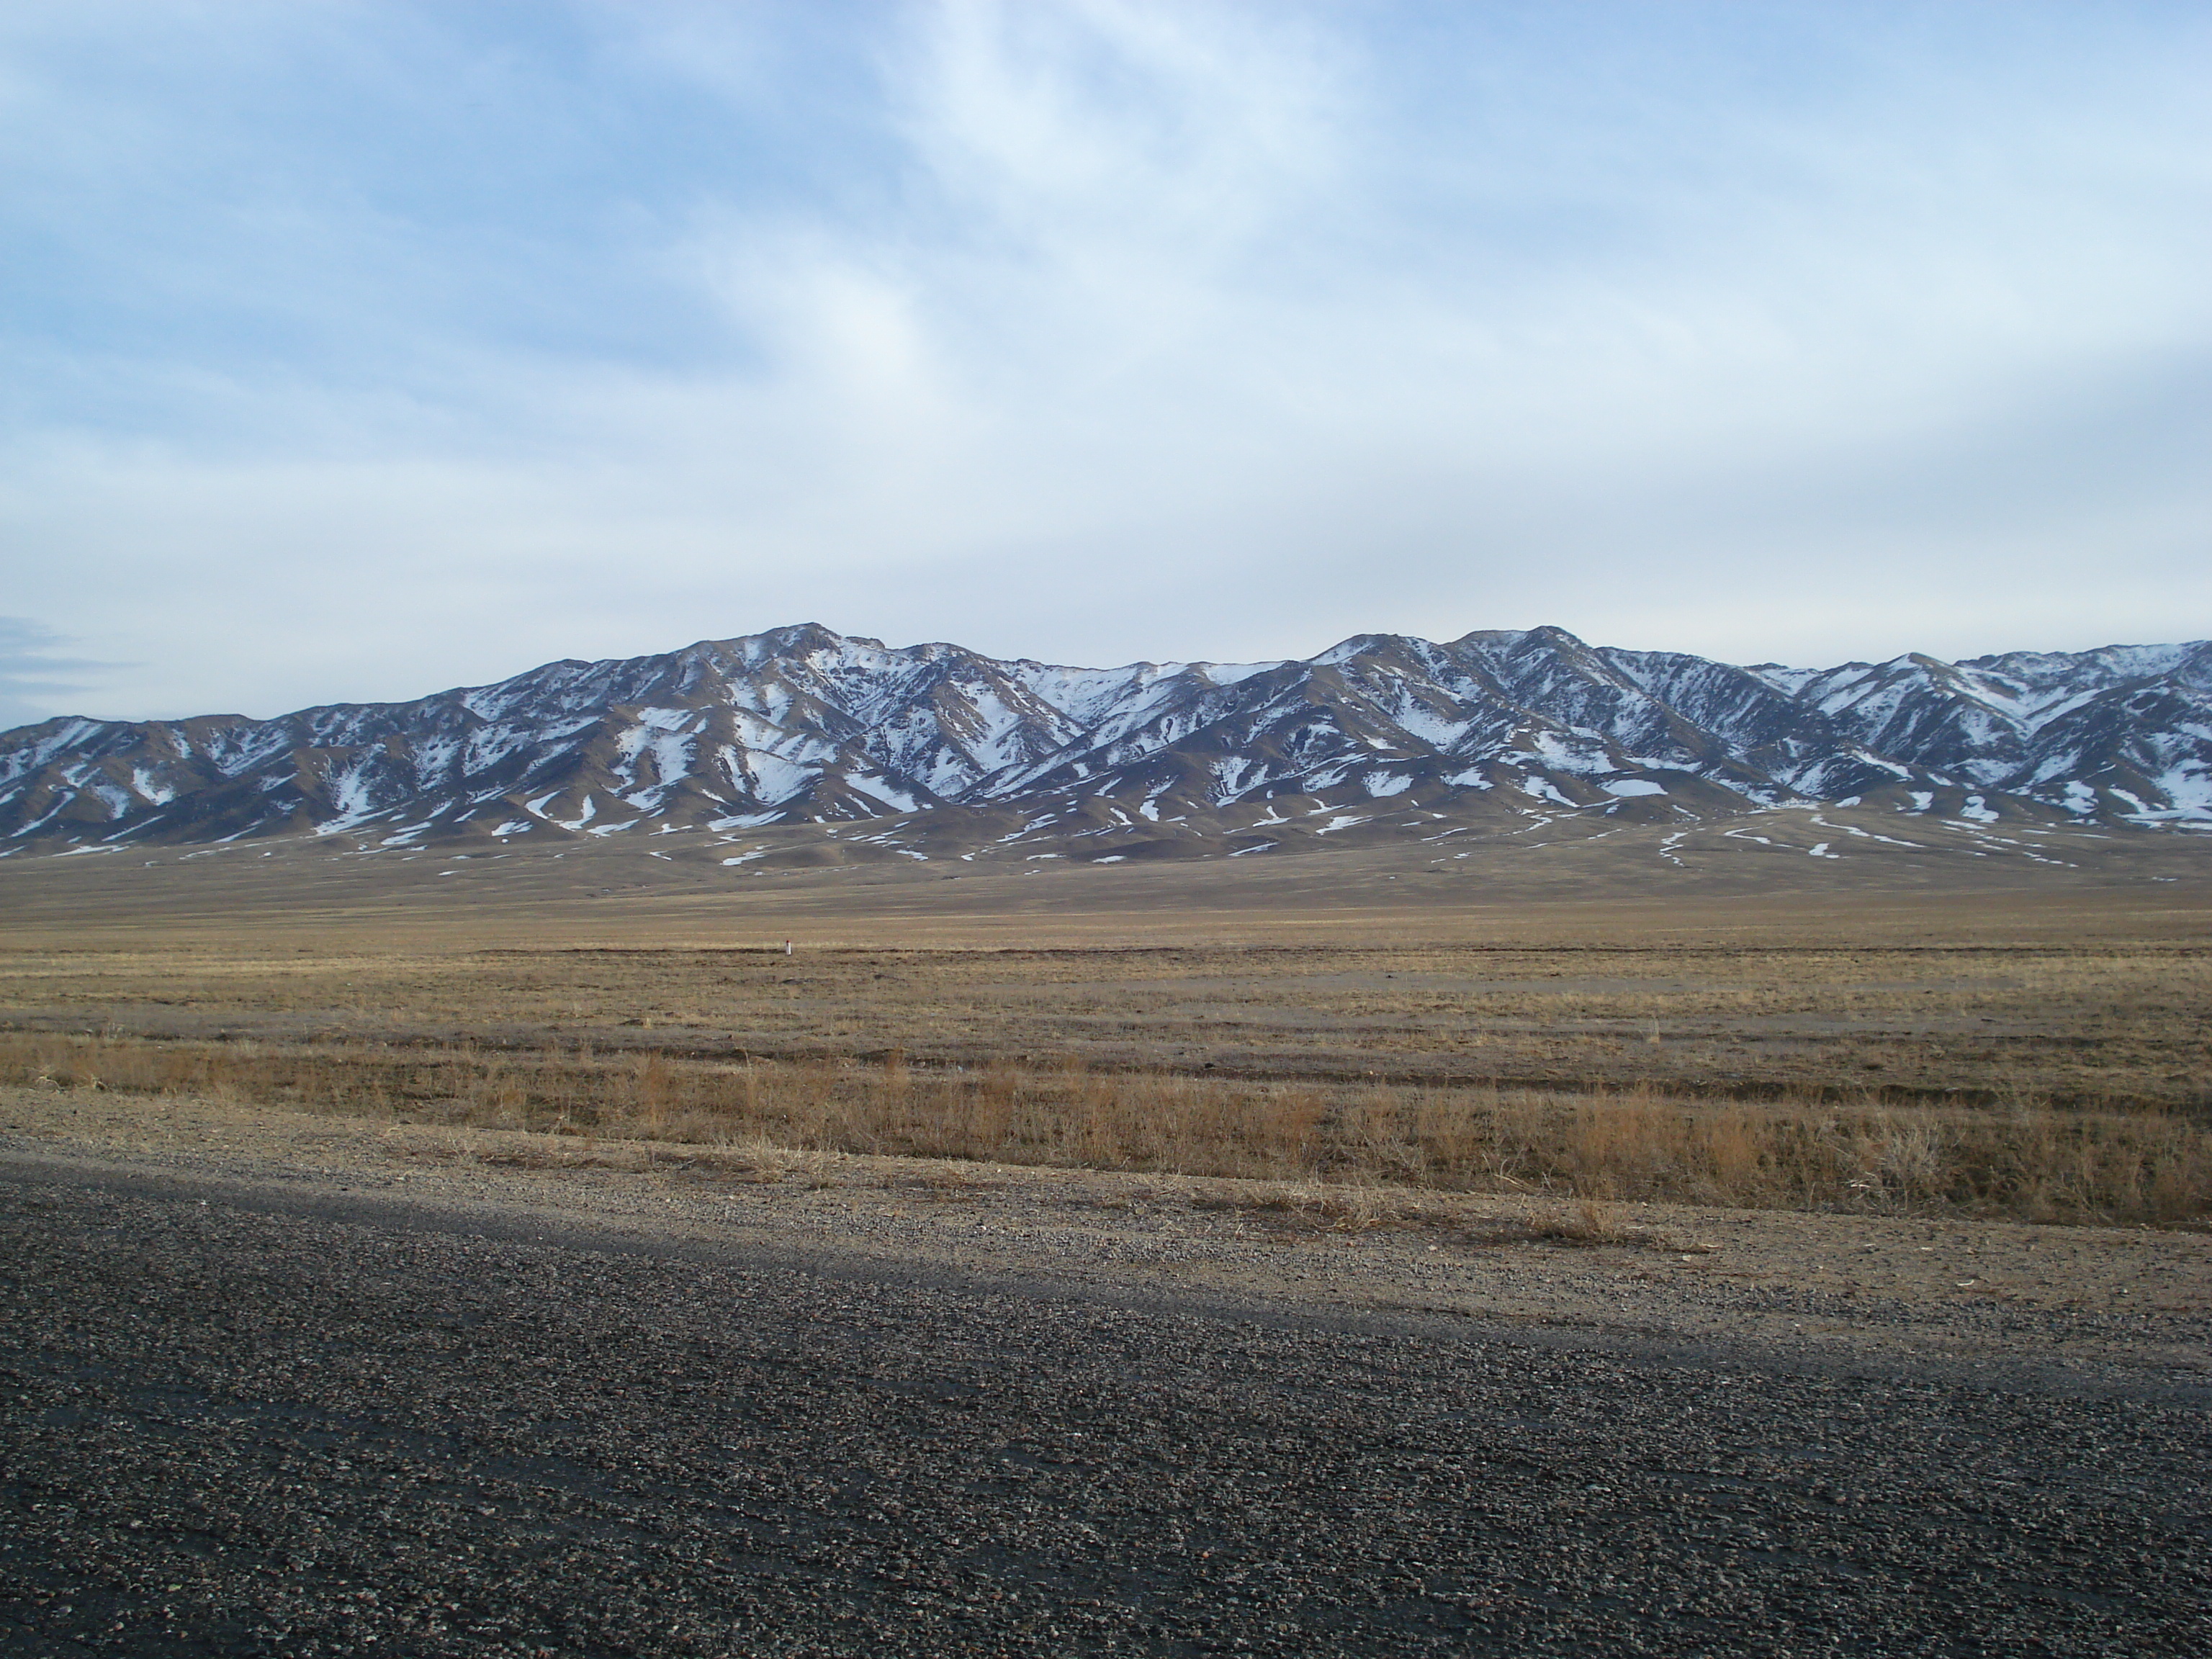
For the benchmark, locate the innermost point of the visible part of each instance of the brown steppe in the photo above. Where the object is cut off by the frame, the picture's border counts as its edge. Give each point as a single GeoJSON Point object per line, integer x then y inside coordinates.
{"type": "Point", "coordinates": [1945, 1032]}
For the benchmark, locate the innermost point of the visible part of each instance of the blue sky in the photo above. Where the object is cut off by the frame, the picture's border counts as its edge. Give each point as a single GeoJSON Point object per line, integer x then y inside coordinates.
{"type": "Point", "coordinates": [356, 350]}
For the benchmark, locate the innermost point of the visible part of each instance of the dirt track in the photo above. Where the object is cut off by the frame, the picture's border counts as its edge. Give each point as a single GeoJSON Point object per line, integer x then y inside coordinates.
{"type": "Point", "coordinates": [283, 1385]}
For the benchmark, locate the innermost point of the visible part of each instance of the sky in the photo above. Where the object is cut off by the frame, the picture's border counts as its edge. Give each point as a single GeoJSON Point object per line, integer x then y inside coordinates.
{"type": "Point", "coordinates": [352, 351]}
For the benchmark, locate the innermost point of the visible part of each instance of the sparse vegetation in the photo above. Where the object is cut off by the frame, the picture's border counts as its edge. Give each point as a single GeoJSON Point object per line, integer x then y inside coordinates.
{"type": "Point", "coordinates": [2019, 1160]}
{"type": "Point", "coordinates": [2067, 1077]}
{"type": "Point", "coordinates": [2098, 1028]}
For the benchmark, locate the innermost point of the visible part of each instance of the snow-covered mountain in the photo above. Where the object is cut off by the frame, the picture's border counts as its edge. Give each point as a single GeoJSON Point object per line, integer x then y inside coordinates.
{"type": "Point", "coordinates": [801, 725]}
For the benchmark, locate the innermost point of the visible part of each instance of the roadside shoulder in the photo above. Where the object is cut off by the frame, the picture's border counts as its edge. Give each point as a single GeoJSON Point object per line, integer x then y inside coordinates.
{"type": "Point", "coordinates": [1842, 1288]}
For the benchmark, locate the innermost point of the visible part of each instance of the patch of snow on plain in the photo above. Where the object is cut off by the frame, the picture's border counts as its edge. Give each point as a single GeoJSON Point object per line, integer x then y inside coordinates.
{"type": "Point", "coordinates": [1628, 788]}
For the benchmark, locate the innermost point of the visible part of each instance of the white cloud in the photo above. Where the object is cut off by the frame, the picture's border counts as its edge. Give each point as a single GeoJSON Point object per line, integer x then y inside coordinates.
{"type": "Point", "coordinates": [1095, 330]}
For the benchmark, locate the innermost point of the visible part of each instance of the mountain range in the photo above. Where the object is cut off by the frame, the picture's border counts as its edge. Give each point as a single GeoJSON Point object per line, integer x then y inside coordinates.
{"type": "Point", "coordinates": [947, 747]}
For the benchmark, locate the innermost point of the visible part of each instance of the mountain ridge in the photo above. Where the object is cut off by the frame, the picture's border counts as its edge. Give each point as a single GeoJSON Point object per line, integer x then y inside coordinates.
{"type": "Point", "coordinates": [801, 725]}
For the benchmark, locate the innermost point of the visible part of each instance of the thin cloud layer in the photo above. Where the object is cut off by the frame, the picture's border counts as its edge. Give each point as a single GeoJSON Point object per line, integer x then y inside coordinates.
{"type": "Point", "coordinates": [34, 671]}
{"type": "Point", "coordinates": [362, 350]}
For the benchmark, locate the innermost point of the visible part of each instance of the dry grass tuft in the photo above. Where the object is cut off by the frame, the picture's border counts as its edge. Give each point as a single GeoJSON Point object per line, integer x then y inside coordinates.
{"type": "Point", "coordinates": [1587, 1222]}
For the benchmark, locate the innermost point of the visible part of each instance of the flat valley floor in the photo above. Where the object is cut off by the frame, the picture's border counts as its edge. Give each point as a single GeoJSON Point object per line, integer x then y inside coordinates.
{"type": "Point", "coordinates": [412, 1377]}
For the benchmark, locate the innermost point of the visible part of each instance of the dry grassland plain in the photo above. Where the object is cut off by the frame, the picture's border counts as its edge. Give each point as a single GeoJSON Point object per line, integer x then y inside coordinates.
{"type": "Point", "coordinates": [2028, 1039]}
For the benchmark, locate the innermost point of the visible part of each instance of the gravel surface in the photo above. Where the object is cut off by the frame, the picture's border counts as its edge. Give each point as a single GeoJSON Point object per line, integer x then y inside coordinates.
{"type": "Point", "coordinates": [2005, 1297]}
{"type": "Point", "coordinates": [251, 1410]}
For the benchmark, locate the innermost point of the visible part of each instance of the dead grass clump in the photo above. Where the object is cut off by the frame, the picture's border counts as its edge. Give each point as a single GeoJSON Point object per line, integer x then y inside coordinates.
{"type": "Point", "coordinates": [1334, 1207]}
{"type": "Point", "coordinates": [950, 1181]}
{"type": "Point", "coordinates": [1590, 1222]}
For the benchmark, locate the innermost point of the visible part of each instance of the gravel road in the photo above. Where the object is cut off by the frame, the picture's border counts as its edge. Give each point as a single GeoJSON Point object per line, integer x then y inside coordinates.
{"type": "Point", "coordinates": [275, 1418]}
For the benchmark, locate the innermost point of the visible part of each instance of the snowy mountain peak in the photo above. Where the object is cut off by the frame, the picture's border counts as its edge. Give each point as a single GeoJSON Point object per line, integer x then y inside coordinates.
{"type": "Point", "coordinates": [803, 725]}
